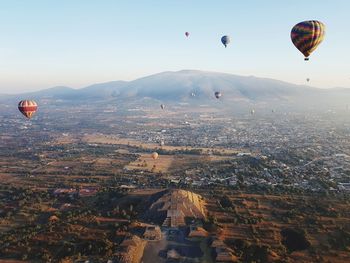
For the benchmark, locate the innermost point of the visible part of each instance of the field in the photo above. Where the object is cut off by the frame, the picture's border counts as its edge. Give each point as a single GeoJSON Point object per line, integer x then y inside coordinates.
{"type": "Point", "coordinates": [104, 139]}
{"type": "Point", "coordinates": [146, 162]}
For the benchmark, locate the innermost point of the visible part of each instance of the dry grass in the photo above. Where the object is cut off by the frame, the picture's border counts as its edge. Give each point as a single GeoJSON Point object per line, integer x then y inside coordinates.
{"type": "Point", "coordinates": [161, 164]}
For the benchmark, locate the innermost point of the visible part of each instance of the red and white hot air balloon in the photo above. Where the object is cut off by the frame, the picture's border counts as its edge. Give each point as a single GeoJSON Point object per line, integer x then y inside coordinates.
{"type": "Point", "coordinates": [27, 108]}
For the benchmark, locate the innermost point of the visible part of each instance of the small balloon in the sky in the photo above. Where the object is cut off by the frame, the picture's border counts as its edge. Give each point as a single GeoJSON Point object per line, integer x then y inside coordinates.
{"type": "Point", "coordinates": [225, 40]}
{"type": "Point", "coordinates": [217, 94]}
{"type": "Point", "coordinates": [155, 155]}
{"type": "Point", "coordinates": [187, 34]}
{"type": "Point", "coordinates": [27, 108]}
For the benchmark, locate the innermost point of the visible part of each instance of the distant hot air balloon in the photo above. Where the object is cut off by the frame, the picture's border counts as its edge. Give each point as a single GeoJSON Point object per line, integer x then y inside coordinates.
{"type": "Point", "coordinates": [27, 107]}
{"type": "Point", "coordinates": [217, 94]}
{"type": "Point", "coordinates": [307, 79]}
{"type": "Point", "coordinates": [187, 34]}
{"type": "Point", "coordinates": [307, 35]}
{"type": "Point", "coordinates": [225, 40]}
{"type": "Point", "coordinates": [162, 106]}
{"type": "Point", "coordinates": [155, 155]}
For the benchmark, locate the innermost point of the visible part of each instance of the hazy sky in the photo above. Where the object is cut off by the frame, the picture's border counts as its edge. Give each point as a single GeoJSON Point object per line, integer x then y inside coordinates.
{"type": "Point", "coordinates": [80, 42]}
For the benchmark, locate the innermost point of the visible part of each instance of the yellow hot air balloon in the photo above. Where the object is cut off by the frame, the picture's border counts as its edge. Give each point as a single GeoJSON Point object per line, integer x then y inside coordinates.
{"type": "Point", "coordinates": [155, 155]}
{"type": "Point", "coordinates": [307, 35]}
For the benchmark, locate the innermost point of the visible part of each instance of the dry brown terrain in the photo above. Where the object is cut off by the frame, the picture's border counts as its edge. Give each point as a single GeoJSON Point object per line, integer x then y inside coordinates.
{"type": "Point", "coordinates": [274, 213]}
{"type": "Point", "coordinates": [105, 139]}
{"type": "Point", "coordinates": [145, 162]}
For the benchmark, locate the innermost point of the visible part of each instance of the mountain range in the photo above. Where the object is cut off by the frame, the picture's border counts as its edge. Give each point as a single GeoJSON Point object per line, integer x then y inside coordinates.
{"type": "Point", "coordinates": [181, 85]}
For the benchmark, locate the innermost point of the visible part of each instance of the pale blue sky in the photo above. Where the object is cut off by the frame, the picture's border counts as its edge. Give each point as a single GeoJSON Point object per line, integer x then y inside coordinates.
{"type": "Point", "coordinates": [80, 42]}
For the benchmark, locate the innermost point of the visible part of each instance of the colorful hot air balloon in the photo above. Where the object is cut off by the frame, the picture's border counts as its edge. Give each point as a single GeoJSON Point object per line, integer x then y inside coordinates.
{"type": "Point", "coordinates": [225, 40]}
{"type": "Point", "coordinates": [155, 155]}
{"type": "Point", "coordinates": [307, 35]}
{"type": "Point", "coordinates": [187, 34]}
{"type": "Point", "coordinates": [217, 94]}
{"type": "Point", "coordinates": [162, 106]}
{"type": "Point", "coordinates": [27, 107]}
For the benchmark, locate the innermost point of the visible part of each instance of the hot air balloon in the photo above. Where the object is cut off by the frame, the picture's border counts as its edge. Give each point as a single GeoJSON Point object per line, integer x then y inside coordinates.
{"type": "Point", "coordinates": [217, 94]}
{"type": "Point", "coordinates": [307, 35]}
{"type": "Point", "coordinates": [225, 40]}
{"type": "Point", "coordinates": [307, 79]}
{"type": "Point", "coordinates": [187, 34]}
{"type": "Point", "coordinates": [162, 106]}
{"type": "Point", "coordinates": [155, 155]}
{"type": "Point", "coordinates": [27, 107]}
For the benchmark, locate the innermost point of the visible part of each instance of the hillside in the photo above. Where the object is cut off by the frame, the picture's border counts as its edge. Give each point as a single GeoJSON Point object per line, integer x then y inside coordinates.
{"type": "Point", "coordinates": [196, 87]}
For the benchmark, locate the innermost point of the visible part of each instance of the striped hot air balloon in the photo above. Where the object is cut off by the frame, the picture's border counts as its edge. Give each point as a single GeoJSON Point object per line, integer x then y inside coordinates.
{"type": "Point", "coordinates": [307, 35]}
{"type": "Point", "coordinates": [27, 107]}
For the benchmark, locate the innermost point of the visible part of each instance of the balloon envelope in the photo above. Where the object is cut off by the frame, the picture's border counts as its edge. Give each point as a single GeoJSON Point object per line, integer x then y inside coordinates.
{"type": "Point", "coordinates": [217, 94]}
{"type": "Point", "coordinates": [225, 40]}
{"type": "Point", "coordinates": [27, 108]}
{"type": "Point", "coordinates": [155, 155]}
{"type": "Point", "coordinates": [307, 35]}
{"type": "Point", "coordinates": [187, 34]}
